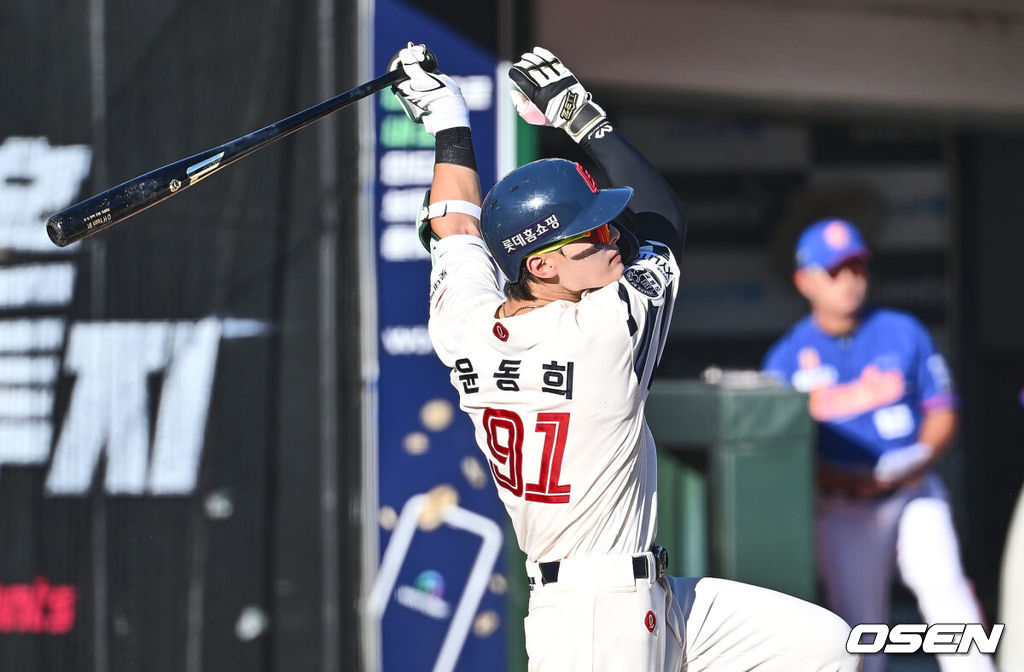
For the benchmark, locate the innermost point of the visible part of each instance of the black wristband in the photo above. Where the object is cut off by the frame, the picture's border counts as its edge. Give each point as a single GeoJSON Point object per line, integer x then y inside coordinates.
{"type": "Point", "coordinates": [455, 145]}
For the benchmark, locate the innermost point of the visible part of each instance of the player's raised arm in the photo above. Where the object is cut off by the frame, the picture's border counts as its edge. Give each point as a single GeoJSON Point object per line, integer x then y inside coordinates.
{"type": "Point", "coordinates": [462, 274]}
{"type": "Point", "coordinates": [436, 101]}
{"type": "Point", "coordinates": [548, 94]}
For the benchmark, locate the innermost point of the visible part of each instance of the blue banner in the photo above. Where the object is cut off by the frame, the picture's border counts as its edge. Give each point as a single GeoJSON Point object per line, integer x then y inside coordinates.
{"type": "Point", "coordinates": [440, 588]}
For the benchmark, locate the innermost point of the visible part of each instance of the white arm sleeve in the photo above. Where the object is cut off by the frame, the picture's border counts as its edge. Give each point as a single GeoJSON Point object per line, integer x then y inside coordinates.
{"type": "Point", "coordinates": [463, 279]}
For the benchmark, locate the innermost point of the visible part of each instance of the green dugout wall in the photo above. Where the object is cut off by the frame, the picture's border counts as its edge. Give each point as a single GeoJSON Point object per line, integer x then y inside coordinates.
{"type": "Point", "coordinates": [735, 490]}
{"type": "Point", "coordinates": [735, 486]}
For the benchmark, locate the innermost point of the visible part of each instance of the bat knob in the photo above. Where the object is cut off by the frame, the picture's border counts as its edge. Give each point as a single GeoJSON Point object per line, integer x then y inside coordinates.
{"type": "Point", "coordinates": [429, 63]}
{"type": "Point", "coordinates": [55, 229]}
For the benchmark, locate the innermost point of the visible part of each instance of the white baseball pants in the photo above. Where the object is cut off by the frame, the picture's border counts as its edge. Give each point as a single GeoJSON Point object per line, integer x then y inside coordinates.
{"type": "Point", "coordinates": [1011, 593]}
{"type": "Point", "coordinates": [597, 617]}
{"type": "Point", "coordinates": [861, 541]}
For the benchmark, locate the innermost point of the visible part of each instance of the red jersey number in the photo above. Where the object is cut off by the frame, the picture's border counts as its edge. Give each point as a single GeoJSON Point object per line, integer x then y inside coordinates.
{"type": "Point", "coordinates": [505, 432]}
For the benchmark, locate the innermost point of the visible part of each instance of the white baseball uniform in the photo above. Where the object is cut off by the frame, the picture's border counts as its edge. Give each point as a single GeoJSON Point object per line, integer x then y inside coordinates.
{"type": "Point", "coordinates": [556, 396]}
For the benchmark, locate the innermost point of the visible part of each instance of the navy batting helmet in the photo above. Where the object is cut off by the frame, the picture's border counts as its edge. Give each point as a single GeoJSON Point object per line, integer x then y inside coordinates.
{"type": "Point", "coordinates": [541, 203]}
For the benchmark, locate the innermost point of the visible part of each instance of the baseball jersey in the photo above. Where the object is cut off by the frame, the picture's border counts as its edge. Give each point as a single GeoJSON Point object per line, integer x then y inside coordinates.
{"type": "Point", "coordinates": [556, 397]}
{"type": "Point", "coordinates": [869, 390]}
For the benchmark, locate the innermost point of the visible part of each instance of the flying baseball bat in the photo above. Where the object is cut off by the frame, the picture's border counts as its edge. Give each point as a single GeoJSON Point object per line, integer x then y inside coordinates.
{"type": "Point", "coordinates": [103, 210]}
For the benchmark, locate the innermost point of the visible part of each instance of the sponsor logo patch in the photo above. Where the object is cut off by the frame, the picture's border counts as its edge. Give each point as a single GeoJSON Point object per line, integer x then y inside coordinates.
{"type": "Point", "coordinates": [660, 262]}
{"type": "Point", "coordinates": [650, 621]}
{"type": "Point", "coordinates": [568, 106]}
{"type": "Point", "coordinates": [500, 332]}
{"type": "Point", "coordinates": [643, 281]}
{"type": "Point", "coordinates": [537, 232]}
{"type": "Point", "coordinates": [437, 283]}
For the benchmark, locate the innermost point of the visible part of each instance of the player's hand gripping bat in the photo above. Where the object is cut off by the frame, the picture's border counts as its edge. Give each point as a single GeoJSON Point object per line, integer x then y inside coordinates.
{"type": "Point", "coordinates": [103, 210]}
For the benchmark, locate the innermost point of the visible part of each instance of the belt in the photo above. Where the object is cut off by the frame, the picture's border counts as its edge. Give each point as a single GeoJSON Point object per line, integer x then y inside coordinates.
{"type": "Point", "coordinates": [846, 493]}
{"type": "Point", "coordinates": [831, 491]}
{"type": "Point", "coordinates": [549, 570]}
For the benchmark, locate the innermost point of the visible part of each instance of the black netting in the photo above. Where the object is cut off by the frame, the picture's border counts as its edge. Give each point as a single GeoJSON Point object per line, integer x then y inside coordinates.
{"type": "Point", "coordinates": [132, 571]}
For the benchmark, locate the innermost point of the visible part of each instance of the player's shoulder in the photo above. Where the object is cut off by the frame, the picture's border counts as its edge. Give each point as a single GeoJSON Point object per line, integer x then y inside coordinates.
{"type": "Point", "coordinates": [459, 244]}
{"type": "Point", "coordinates": [782, 353]}
{"type": "Point", "coordinates": [888, 316]}
{"type": "Point", "coordinates": [653, 272]}
{"type": "Point", "coordinates": [892, 321]}
{"type": "Point", "coordinates": [651, 251]}
{"type": "Point", "coordinates": [553, 322]}
{"type": "Point", "coordinates": [780, 360]}
{"type": "Point", "coordinates": [799, 334]}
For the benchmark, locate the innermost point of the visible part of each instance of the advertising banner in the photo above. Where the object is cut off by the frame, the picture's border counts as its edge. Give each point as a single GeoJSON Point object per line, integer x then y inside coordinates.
{"type": "Point", "coordinates": [439, 591]}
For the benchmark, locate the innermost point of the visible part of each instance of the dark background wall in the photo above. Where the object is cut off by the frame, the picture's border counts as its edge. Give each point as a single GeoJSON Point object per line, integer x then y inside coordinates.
{"type": "Point", "coordinates": [992, 351]}
{"type": "Point", "coordinates": [229, 574]}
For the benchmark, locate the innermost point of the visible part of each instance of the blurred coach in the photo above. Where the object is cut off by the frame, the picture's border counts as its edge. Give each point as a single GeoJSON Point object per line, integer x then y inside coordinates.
{"type": "Point", "coordinates": [884, 403]}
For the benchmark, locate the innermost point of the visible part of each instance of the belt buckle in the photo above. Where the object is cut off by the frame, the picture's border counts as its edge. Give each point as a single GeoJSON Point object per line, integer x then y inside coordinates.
{"type": "Point", "coordinates": [660, 560]}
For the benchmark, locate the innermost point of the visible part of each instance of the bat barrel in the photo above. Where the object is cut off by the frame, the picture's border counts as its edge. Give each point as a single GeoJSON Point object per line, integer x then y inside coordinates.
{"type": "Point", "coordinates": [108, 208]}
{"type": "Point", "coordinates": [114, 205]}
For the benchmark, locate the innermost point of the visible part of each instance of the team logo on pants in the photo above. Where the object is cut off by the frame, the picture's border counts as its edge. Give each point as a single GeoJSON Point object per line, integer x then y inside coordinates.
{"type": "Point", "coordinates": [650, 621]}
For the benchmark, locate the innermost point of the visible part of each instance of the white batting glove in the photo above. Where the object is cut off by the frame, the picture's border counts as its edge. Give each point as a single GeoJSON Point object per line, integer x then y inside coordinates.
{"type": "Point", "coordinates": [902, 462]}
{"type": "Point", "coordinates": [431, 99]}
{"type": "Point", "coordinates": [546, 93]}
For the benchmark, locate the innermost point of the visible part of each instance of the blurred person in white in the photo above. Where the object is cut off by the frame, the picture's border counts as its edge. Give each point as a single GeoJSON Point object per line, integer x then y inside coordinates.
{"type": "Point", "coordinates": [1011, 593]}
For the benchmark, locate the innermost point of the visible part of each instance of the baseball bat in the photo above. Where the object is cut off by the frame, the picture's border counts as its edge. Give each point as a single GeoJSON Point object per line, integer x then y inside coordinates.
{"type": "Point", "coordinates": [103, 210]}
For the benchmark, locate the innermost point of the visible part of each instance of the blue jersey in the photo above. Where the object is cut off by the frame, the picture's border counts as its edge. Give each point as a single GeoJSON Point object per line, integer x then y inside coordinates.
{"type": "Point", "coordinates": [868, 390]}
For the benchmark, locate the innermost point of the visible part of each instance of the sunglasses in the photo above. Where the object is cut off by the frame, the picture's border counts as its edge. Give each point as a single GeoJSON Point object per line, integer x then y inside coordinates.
{"type": "Point", "coordinates": [858, 266]}
{"type": "Point", "coordinates": [604, 235]}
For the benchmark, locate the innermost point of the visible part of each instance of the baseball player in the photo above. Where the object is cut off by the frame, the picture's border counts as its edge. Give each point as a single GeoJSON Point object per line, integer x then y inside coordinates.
{"type": "Point", "coordinates": [552, 362]}
{"type": "Point", "coordinates": [884, 401]}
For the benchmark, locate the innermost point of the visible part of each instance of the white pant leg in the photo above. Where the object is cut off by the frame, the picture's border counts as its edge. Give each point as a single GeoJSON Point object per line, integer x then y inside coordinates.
{"type": "Point", "coordinates": [735, 627]}
{"type": "Point", "coordinates": [855, 550]}
{"type": "Point", "coordinates": [585, 627]}
{"type": "Point", "coordinates": [1011, 593]}
{"type": "Point", "coordinates": [928, 557]}
{"type": "Point", "coordinates": [559, 630]}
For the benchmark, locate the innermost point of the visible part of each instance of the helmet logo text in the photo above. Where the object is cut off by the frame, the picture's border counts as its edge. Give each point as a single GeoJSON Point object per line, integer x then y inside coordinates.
{"type": "Point", "coordinates": [536, 232]}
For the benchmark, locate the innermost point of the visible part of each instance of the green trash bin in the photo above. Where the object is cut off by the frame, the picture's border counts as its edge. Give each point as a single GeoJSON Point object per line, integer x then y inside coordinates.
{"type": "Point", "coordinates": [735, 482]}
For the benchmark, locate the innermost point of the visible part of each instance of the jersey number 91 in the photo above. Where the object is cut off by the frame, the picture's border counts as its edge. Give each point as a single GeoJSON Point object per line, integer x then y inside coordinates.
{"type": "Point", "coordinates": [505, 433]}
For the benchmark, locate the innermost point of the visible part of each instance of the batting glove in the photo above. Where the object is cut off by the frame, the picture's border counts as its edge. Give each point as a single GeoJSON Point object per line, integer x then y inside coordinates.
{"type": "Point", "coordinates": [546, 93]}
{"type": "Point", "coordinates": [431, 99]}
{"type": "Point", "coordinates": [897, 464]}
